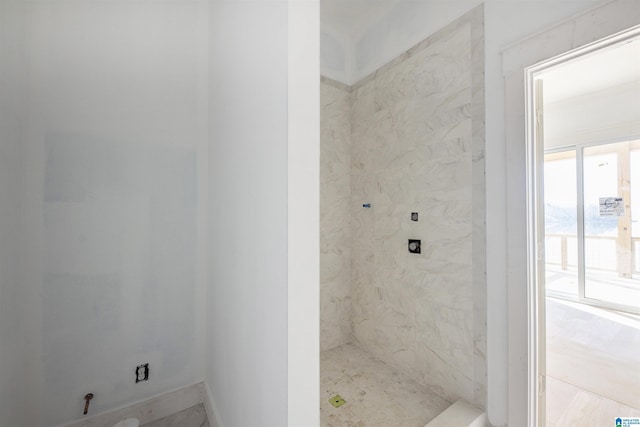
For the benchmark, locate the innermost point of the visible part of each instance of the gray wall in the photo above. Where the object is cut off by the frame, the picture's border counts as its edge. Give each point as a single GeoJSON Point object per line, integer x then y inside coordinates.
{"type": "Point", "coordinates": [13, 369]}
{"type": "Point", "coordinates": [111, 228]}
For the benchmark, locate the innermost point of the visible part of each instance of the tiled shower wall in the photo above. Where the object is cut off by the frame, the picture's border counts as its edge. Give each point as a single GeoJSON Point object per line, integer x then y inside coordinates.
{"type": "Point", "coordinates": [335, 212]}
{"type": "Point", "coordinates": [416, 145]}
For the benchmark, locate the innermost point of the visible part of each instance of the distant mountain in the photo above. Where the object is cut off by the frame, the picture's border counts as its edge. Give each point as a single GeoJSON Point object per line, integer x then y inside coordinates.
{"type": "Point", "coordinates": [563, 220]}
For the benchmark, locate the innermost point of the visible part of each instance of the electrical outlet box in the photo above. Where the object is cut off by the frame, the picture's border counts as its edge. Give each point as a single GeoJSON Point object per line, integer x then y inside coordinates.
{"type": "Point", "coordinates": [142, 373]}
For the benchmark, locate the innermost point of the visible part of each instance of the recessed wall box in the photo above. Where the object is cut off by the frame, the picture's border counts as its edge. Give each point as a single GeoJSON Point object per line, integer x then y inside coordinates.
{"type": "Point", "coordinates": [142, 372]}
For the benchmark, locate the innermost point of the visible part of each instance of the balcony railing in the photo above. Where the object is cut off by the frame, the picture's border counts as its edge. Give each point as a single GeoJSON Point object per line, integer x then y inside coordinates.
{"type": "Point", "coordinates": [600, 252]}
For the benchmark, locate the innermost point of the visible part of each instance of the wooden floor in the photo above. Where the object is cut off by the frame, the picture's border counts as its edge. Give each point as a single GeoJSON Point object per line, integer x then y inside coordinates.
{"type": "Point", "coordinates": [593, 365]}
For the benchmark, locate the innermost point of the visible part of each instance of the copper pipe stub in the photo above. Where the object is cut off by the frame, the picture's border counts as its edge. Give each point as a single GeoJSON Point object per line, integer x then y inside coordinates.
{"type": "Point", "coordinates": [87, 399]}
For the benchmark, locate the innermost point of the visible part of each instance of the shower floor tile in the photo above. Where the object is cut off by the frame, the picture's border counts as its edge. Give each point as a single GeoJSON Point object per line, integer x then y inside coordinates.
{"type": "Point", "coordinates": [376, 395]}
{"type": "Point", "coordinates": [190, 417]}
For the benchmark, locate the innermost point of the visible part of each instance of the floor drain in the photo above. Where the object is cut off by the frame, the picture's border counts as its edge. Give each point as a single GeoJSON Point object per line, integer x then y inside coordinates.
{"type": "Point", "coordinates": [337, 401]}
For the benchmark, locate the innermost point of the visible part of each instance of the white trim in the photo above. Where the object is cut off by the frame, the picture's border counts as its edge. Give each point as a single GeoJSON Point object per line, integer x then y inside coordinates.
{"type": "Point", "coordinates": [148, 410]}
{"type": "Point", "coordinates": [604, 141]}
{"type": "Point", "coordinates": [460, 414]}
{"type": "Point", "coordinates": [535, 216]}
{"type": "Point", "coordinates": [543, 32]}
{"type": "Point", "coordinates": [603, 43]}
{"type": "Point", "coordinates": [563, 38]}
{"type": "Point", "coordinates": [599, 23]}
{"type": "Point", "coordinates": [580, 218]}
{"type": "Point", "coordinates": [535, 245]}
{"type": "Point", "coordinates": [210, 407]}
{"type": "Point", "coordinates": [303, 213]}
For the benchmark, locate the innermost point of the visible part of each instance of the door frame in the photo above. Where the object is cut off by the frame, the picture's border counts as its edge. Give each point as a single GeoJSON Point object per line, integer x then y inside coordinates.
{"type": "Point", "coordinates": [535, 267]}
{"type": "Point", "coordinates": [579, 30]}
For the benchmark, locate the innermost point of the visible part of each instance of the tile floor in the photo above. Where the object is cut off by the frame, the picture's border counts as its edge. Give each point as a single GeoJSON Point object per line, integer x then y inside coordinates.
{"type": "Point", "coordinates": [190, 417]}
{"type": "Point", "coordinates": [376, 395]}
{"type": "Point", "coordinates": [593, 365]}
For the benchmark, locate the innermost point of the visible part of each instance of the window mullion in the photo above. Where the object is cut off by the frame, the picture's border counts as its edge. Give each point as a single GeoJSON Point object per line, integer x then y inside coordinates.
{"type": "Point", "coordinates": [580, 207]}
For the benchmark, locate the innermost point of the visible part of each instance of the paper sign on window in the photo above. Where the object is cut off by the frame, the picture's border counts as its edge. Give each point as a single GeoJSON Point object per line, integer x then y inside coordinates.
{"type": "Point", "coordinates": [611, 206]}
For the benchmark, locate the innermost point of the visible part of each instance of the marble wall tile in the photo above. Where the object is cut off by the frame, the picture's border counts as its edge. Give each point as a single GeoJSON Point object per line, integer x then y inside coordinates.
{"type": "Point", "coordinates": [414, 143]}
{"type": "Point", "coordinates": [479, 248]}
{"type": "Point", "coordinates": [427, 72]}
{"type": "Point", "coordinates": [363, 101]}
{"type": "Point", "coordinates": [335, 213]}
{"type": "Point", "coordinates": [416, 148]}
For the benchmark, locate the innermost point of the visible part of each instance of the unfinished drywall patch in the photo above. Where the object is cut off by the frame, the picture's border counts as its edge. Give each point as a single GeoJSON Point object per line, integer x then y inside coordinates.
{"type": "Point", "coordinates": [114, 221]}
{"type": "Point", "coordinates": [119, 267]}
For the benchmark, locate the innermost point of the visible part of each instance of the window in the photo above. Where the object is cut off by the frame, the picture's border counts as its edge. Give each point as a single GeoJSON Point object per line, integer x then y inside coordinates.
{"type": "Point", "coordinates": [592, 230]}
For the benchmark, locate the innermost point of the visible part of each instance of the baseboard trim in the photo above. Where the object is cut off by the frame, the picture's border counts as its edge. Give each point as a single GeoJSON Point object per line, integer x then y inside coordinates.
{"type": "Point", "coordinates": [155, 408]}
{"type": "Point", "coordinates": [210, 407]}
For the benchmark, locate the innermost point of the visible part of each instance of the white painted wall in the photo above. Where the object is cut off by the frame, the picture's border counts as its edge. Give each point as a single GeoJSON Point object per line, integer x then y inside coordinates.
{"type": "Point", "coordinates": [114, 209]}
{"type": "Point", "coordinates": [263, 303]}
{"type": "Point", "coordinates": [247, 347]}
{"type": "Point", "coordinates": [303, 392]}
{"type": "Point", "coordinates": [104, 187]}
{"type": "Point", "coordinates": [13, 371]}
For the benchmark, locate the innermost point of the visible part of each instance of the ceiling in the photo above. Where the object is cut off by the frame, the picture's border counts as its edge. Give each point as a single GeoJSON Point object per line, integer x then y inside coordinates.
{"type": "Point", "coordinates": [353, 17]}
{"type": "Point", "coordinates": [606, 68]}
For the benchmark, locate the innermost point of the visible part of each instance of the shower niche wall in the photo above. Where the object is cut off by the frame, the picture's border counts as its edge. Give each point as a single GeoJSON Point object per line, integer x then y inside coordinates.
{"type": "Point", "coordinates": [409, 138]}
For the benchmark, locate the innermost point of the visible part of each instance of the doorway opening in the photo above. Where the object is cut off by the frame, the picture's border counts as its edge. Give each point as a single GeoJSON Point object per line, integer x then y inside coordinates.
{"type": "Point", "coordinates": [583, 139]}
